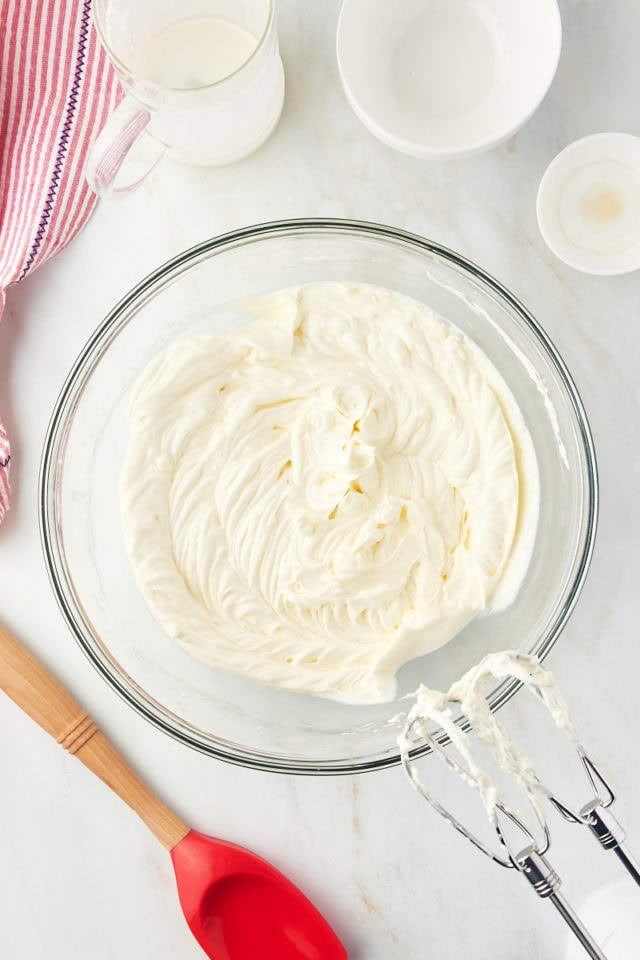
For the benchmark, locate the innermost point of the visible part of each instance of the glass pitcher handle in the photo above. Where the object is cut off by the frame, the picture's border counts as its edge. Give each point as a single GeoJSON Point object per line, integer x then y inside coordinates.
{"type": "Point", "coordinates": [124, 152]}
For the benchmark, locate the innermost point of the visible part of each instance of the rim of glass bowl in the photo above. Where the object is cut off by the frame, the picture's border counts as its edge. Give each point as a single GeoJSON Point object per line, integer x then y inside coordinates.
{"type": "Point", "coordinates": [53, 456]}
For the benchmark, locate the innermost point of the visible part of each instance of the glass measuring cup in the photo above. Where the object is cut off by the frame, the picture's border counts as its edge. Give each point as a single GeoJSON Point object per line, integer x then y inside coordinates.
{"type": "Point", "coordinates": [203, 82]}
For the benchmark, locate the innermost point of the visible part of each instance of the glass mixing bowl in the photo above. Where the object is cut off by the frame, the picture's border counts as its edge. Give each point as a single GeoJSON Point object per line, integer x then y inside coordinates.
{"type": "Point", "coordinates": [221, 714]}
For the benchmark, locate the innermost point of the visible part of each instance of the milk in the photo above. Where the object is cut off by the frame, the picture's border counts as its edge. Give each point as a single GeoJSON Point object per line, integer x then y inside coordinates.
{"type": "Point", "coordinates": [197, 52]}
{"type": "Point", "coordinates": [219, 88]}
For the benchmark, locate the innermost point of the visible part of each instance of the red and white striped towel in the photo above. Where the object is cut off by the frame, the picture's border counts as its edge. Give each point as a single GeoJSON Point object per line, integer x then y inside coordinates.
{"type": "Point", "coordinates": [56, 91]}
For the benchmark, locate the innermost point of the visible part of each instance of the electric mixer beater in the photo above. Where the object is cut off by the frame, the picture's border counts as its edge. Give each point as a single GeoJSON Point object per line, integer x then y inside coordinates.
{"type": "Point", "coordinates": [529, 859]}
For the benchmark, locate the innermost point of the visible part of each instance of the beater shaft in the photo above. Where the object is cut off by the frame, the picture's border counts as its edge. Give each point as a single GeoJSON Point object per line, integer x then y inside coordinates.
{"type": "Point", "coordinates": [610, 835]}
{"type": "Point", "coordinates": [546, 883]}
{"type": "Point", "coordinates": [579, 930]}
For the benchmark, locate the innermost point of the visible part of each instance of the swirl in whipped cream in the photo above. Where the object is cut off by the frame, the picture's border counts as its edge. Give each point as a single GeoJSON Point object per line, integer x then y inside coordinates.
{"type": "Point", "coordinates": [329, 491]}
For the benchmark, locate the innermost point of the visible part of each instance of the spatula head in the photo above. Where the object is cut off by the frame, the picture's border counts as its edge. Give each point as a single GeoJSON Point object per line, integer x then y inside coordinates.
{"type": "Point", "coordinates": [239, 907]}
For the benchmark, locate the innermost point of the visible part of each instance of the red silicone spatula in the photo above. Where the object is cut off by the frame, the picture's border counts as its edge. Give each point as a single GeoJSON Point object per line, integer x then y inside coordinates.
{"type": "Point", "coordinates": [237, 905]}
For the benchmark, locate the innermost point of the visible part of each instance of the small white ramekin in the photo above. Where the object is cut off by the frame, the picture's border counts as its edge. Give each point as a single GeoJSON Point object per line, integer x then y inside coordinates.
{"type": "Point", "coordinates": [588, 214]}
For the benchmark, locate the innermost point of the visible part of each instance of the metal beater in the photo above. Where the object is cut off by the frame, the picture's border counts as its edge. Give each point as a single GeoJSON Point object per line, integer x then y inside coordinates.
{"type": "Point", "coordinates": [531, 860]}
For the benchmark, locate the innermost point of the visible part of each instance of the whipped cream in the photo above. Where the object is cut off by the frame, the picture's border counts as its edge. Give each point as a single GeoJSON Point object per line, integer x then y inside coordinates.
{"type": "Point", "coordinates": [329, 491]}
{"type": "Point", "coordinates": [432, 710]}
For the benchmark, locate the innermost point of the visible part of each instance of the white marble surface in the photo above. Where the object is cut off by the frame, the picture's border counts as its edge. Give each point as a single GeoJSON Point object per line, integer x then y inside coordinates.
{"type": "Point", "coordinates": [79, 876]}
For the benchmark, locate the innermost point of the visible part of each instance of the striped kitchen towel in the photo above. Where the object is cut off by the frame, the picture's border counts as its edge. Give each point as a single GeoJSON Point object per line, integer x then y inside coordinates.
{"type": "Point", "coordinates": [56, 91]}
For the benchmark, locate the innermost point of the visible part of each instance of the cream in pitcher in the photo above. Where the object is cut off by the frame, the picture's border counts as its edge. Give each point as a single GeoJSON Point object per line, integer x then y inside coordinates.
{"type": "Point", "coordinates": [194, 53]}
{"type": "Point", "coordinates": [203, 79]}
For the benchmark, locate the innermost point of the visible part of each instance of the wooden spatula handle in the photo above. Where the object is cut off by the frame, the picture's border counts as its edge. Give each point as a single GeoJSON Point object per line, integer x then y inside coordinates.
{"type": "Point", "coordinates": [30, 685]}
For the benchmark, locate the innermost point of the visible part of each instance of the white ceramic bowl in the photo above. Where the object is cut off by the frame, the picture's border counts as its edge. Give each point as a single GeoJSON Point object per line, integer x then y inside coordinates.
{"type": "Point", "coordinates": [447, 77]}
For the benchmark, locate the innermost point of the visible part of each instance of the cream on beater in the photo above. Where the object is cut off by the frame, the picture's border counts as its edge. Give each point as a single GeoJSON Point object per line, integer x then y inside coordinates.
{"type": "Point", "coordinates": [433, 706]}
